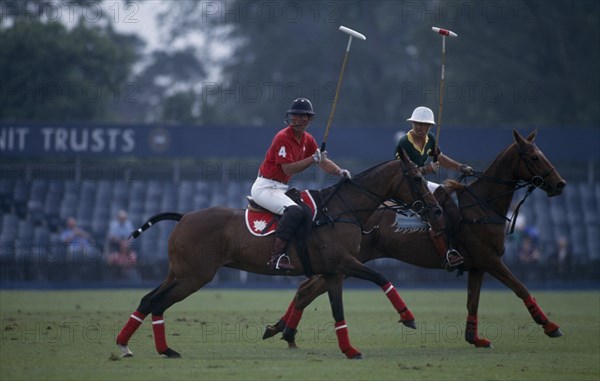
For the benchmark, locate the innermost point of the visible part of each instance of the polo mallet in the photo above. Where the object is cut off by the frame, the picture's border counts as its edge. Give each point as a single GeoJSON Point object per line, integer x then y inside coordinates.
{"type": "Point", "coordinates": [351, 33]}
{"type": "Point", "coordinates": [444, 33]}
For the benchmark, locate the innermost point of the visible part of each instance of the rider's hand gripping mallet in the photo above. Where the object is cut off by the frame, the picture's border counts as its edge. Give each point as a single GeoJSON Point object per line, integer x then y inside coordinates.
{"type": "Point", "coordinates": [351, 33]}
{"type": "Point", "coordinates": [444, 33]}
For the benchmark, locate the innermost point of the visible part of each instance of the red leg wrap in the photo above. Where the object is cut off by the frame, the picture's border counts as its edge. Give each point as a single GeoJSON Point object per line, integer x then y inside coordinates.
{"type": "Point", "coordinates": [134, 322]}
{"type": "Point", "coordinates": [397, 302]}
{"type": "Point", "coordinates": [158, 327]}
{"type": "Point", "coordinates": [471, 334]}
{"type": "Point", "coordinates": [536, 312]}
{"type": "Point", "coordinates": [540, 317]}
{"type": "Point", "coordinates": [341, 331]}
{"type": "Point", "coordinates": [394, 297]}
{"type": "Point", "coordinates": [290, 308]}
{"type": "Point", "coordinates": [294, 318]}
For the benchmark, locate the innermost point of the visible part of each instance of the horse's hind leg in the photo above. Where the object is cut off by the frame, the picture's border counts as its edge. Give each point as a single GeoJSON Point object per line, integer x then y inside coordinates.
{"type": "Point", "coordinates": [503, 274]}
{"type": "Point", "coordinates": [358, 270]}
{"type": "Point", "coordinates": [308, 291]}
{"type": "Point", "coordinates": [168, 295]}
{"type": "Point", "coordinates": [134, 322]}
{"type": "Point", "coordinates": [334, 290]}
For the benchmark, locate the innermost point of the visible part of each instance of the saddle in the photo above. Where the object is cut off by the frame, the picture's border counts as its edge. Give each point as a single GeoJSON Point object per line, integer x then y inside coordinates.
{"type": "Point", "coordinates": [261, 222]}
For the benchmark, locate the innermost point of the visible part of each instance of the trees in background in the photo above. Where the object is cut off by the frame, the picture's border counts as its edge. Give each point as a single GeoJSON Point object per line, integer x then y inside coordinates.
{"type": "Point", "coordinates": [515, 63]}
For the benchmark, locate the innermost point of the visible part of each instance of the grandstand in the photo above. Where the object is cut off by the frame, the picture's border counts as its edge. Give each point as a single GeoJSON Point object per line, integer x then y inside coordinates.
{"type": "Point", "coordinates": [38, 192]}
{"type": "Point", "coordinates": [33, 213]}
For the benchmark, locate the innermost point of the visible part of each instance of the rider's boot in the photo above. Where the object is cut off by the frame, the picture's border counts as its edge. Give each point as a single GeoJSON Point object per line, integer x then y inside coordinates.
{"type": "Point", "coordinates": [279, 259]}
{"type": "Point", "coordinates": [452, 258]}
{"type": "Point", "coordinates": [447, 226]}
{"type": "Point", "coordinates": [288, 224]}
{"type": "Point", "coordinates": [451, 212]}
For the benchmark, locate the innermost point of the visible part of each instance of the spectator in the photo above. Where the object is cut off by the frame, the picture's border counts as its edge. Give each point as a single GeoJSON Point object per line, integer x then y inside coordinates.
{"type": "Point", "coordinates": [118, 232]}
{"type": "Point", "coordinates": [77, 241]}
{"type": "Point", "coordinates": [528, 249]}
{"type": "Point", "coordinates": [125, 261]}
{"type": "Point", "coordinates": [562, 257]}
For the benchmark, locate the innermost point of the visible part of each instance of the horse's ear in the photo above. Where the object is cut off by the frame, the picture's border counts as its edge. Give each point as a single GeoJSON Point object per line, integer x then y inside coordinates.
{"type": "Point", "coordinates": [404, 157]}
{"type": "Point", "coordinates": [518, 138]}
{"type": "Point", "coordinates": [531, 136]}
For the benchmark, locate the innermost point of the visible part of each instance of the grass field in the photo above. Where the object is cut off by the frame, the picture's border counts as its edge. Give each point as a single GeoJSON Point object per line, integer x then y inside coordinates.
{"type": "Point", "coordinates": [69, 335]}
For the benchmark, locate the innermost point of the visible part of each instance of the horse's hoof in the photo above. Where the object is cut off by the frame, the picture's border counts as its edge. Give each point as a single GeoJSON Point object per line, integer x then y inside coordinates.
{"type": "Point", "coordinates": [169, 353]}
{"type": "Point", "coordinates": [125, 352]}
{"type": "Point", "coordinates": [409, 323]}
{"type": "Point", "coordinates": [356, 357]}
{"type": "Point", "coordinates": [556, 333]}
{"type": "Point", "coordinates": [483, 343]}
{"type": "Point", "coordinates": [288, 334]}
{"type": "Point", "coordinates": [270, 331]}
{"type": "Point", "coordinates": [292, 345]}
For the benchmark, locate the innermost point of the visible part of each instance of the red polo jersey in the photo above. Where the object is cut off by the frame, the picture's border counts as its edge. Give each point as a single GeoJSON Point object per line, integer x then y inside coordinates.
{"type": "Point", "coordinates": [286, 148]}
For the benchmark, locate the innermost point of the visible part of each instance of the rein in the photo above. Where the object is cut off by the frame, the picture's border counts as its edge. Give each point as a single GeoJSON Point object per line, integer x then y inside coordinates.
{"type": "Point", "coordinates": [418, 205]}
{"type": "Point", "coordinates": [535, 182]}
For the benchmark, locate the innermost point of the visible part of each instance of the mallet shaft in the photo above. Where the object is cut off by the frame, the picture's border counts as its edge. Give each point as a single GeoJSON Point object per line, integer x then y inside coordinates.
{"type": "Point", "coordinates": [351, 33]}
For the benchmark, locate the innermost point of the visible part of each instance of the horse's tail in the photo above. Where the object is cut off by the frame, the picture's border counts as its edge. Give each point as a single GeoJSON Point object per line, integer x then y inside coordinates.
{"type": "Point", "coordinates": [154, 219]}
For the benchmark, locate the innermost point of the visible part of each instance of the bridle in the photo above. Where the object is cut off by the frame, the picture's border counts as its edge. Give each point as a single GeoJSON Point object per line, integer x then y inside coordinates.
{"type": "Point", "coordinates": [419, 204]}
{"type": "Point", "coordinates": [536, 181]}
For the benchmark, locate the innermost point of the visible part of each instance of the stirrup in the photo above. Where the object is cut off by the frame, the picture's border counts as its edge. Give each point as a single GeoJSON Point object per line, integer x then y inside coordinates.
{"type": "Point", "coordinates": [278, 265]}
{"type": "Point", "coordinates": [453, 258]}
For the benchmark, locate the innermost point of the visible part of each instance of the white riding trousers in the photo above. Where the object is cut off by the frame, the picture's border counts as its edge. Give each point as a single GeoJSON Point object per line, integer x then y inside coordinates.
{"type": "Point", "coordinates": [270, 194]}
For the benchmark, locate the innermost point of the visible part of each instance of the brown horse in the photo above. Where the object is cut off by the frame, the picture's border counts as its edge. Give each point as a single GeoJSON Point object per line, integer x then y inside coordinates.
{"type": "Point", "coordinates": [480, 236]}
{"type": "Point", "coordinates": [206, 240]}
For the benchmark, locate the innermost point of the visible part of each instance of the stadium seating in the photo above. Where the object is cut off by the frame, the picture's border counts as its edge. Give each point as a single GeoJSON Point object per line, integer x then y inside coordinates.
{"type": "Point", "coordinates": [32, 213]}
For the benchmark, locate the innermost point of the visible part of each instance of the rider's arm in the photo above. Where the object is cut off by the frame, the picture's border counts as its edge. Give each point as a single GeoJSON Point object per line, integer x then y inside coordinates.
{"type": "Point", "coordinates": [296, 167]}
{"type": "Point", "coordinates": [330, 167]}
{"type": "Point", "coordinates": [448, 163]}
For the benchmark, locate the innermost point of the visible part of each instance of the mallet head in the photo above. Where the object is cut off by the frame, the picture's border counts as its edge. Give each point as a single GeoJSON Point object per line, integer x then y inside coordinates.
{"type": "Point", "coordinates": [353, 33]}
{"type": "Point", "coordinates": [444, 32]}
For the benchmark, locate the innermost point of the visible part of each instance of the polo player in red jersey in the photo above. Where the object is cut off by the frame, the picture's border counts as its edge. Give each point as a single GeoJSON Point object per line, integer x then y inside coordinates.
{"type": "Point", "coordinates": [292, 151]}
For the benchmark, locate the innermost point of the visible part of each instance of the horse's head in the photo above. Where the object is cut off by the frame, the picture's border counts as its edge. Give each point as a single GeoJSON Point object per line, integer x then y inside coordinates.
{"type": "Point", "coordinates": [413, 190]}
{"type": "Point", "coordinates": [535, 168]}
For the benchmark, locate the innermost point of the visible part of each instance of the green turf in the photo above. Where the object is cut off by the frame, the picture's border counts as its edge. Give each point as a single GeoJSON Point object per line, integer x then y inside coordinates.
{"type": "Point", "coordinates": [69, 335]}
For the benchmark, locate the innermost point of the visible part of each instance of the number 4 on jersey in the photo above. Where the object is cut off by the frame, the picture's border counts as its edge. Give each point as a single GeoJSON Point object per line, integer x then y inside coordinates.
{"type": "Point", "coordinates": [282, 152]}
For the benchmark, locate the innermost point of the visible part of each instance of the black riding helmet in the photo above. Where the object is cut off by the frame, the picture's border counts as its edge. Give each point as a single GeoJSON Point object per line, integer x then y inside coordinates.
{"type": "Point", "coordinates": [299, 106]}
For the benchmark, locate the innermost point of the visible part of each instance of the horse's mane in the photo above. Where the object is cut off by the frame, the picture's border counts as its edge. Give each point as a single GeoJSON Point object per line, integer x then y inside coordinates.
{"type": "Point", "coordinates": [326, 191]}
{"type": "Point", "coordinates": [453, 186]}
{"type": "Point", "coordinates": [366, 171]}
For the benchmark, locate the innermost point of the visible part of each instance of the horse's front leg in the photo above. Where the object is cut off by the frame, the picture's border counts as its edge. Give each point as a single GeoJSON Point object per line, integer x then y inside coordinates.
{"type": "Point", "coordinates": [334, 285]}
{"type": "Point", "coordinates": [358, 270]}
{"type": "Point", "coordinates": [503, 274]}
{"type": "Point", "coordinates": [473, 293]}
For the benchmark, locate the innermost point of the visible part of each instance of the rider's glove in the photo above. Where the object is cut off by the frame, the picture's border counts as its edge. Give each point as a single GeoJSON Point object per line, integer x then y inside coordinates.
{"type": "Point", "coordinates": [466, 169]}
{"type": "Point", "coordinates": [345, 173]}
{"type": "Point", "coordinates": [317, 156]}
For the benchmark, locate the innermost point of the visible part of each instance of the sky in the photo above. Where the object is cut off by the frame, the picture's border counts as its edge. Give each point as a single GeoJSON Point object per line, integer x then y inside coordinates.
{"type": "Point", "coordinates": [138, 18]}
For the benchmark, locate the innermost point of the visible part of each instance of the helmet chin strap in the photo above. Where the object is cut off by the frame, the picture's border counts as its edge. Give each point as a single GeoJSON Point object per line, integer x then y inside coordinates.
{"type": "Point", "coordinates": [288, 121]}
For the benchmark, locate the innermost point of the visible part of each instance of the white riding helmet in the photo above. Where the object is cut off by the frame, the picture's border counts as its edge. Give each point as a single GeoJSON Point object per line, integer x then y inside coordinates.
{"type": "Point", "coordinates": [422, 115]}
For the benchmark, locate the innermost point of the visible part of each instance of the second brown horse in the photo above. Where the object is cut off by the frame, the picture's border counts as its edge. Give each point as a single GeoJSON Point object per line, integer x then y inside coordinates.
{"type": "Point", "coordinates": [480, 233]}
